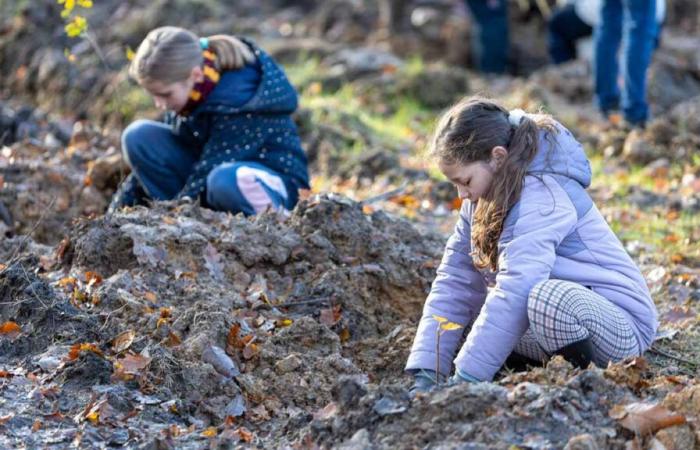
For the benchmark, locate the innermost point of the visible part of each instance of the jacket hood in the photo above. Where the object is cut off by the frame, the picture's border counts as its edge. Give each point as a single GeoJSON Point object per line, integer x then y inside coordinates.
{"type": "Point", "coordinates": [559, 153]}
{"type": "Point", "coordinates": [274, 93]}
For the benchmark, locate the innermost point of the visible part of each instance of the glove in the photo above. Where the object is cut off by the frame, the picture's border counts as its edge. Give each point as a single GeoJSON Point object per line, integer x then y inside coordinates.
{"type": "Point", "coordinates": [424, 381]}
{"type": "Point", "coordinates": [462, 377]}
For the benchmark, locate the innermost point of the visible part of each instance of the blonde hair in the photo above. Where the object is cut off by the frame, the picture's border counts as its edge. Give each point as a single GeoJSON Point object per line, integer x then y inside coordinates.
{"type": "Point", "coordinates": [168, 54]}
{"type": "Point", "coordinates": [467, 133]}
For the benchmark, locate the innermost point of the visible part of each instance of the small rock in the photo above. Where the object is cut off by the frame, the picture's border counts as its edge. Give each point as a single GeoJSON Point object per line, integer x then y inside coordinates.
{"type": "Point", "coordinates": [387, 406]}
{"type": "Point", "coordinates": [288, 364]}
{"type": "Point", "coordinates": [358, 441]}
{"type": "Point", "coordinates": [676, 438]}
{"type": "Point", "coordinates": [236, 407]}
{"type": "Point", "coordinates": [217, 357]}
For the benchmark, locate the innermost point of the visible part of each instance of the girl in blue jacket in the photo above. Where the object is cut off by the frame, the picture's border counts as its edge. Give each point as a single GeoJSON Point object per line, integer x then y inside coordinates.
{"type": "Point", "coordinates": [231, 142]}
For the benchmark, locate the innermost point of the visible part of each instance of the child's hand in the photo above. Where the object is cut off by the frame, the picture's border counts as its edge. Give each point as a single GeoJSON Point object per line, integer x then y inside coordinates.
{"type": "Point", "coordinates": [424, 381]}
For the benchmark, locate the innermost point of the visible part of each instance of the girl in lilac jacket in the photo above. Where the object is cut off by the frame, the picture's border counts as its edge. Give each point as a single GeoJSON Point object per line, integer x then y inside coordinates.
{"type": "Point", "coordinates": [563, 281]}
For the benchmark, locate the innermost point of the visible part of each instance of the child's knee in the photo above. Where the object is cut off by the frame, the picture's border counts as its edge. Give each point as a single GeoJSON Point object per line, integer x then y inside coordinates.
{"type": "Point", "coordinates": [540, 294]}
{"type": "Point", "coordinates": [222, 189]}
{"type": "Point", "coordinates": [132, 136]}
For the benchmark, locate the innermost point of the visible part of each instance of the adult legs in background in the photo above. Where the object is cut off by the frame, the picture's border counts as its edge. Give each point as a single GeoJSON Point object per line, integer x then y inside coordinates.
{"type": "Point", "coordinates": [565, 28]}
{"type": "Point", "coordinates": [491, 38]}
{"type": "Point", "coordinates": [607, 36]}
{"type": "Point", "coordinates": [640, 33]}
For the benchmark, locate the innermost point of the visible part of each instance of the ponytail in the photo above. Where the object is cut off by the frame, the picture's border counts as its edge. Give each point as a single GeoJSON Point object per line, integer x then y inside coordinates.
{"type": "Point", "coordinates": [231, 53]}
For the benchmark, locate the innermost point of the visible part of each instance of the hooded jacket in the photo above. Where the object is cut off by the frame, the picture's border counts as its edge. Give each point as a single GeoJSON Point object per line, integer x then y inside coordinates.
{"type": "Point", "coordinates": [553, 231]}
{"type": "Point", "coordinates": [246, 118]}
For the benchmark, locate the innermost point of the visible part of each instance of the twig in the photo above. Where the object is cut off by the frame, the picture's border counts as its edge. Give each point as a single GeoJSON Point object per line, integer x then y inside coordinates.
{"type": "Point", "coordinates": [98, 50]}
{"type": "Point", "coordinates": [306, 302]}
{"type": "Point", "coordinates": [666, 354]}
{"type": "Point", "coordinates": [385, 196]}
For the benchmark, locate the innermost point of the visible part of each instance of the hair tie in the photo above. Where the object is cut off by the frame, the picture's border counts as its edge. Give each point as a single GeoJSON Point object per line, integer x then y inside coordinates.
{"type": "Point", "coordinates": [204, 43]}
{"type": "Point", "coordinates": [515, 117]}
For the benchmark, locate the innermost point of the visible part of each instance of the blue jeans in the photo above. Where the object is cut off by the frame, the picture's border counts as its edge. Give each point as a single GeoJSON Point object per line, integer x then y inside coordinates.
{"type": "Point", "coordinates": [162, 164]}
{"type": "Point", "coordinates": [632, 22]}
{"type": "Point", "coordinates": [565, 28]}
{"type": "Point", "coordinates": [491, 39]}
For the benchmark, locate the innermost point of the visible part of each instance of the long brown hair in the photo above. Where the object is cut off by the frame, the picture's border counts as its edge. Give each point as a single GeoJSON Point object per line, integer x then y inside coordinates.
{"type": "Point", "coordinates": [168, 54]}
{"type": "Point", "coordinates": [467, 133]}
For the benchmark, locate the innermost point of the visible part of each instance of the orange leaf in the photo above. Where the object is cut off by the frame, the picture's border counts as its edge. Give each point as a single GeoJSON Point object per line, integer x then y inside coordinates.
{"type": "Point", "coordinates": [244, 434]}
{"type": "Point", "coordinates": [5, 374]}
{"type": "Point", "coordinates": [68, 282]}
{"type": "Point", "coordinates": [77, 349]}
{"type": "Point", "coordinates": [456, 204]}
{"type": "Point", "coordinates": [150, 296]}
{"type": "Point", "coordinates": [209, 432]}
{"type": "Point", "coordinates": [645, 418]}
{"type": "Point", "coordinates": [37, 425]}
{"type": "Point", "coordinates": [93, 278]}
{"type": "Point", "coordinates": [11, 329]}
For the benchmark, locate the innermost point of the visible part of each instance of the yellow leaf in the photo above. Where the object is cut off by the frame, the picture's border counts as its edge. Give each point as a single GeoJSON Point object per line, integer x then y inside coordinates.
{"type": "Point", "coordinates": [284, 322]}
{"type": "Point", "coordinates": [439, 319]}
{"type": "Point", "coordinates": [209, 432]}
{"type": "Point", "coordinates": [85, 3]}
{"type": "Point", "coordinates": [130, 53]}
{"type": "Point", "coordinates": [93, 417]}
{"type": "Point", "coordinates": [76, 27]}
{"type": "Point", "coordinates": [449, 326]}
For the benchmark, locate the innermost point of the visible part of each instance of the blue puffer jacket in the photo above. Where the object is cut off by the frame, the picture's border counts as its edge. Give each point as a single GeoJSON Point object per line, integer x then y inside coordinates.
{"type": "Point", "coordinates": [259, 130]}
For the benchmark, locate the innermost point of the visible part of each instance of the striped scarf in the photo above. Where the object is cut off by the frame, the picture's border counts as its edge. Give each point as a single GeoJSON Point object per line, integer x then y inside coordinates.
{"type": "Point", "coordinates": [201, 90]}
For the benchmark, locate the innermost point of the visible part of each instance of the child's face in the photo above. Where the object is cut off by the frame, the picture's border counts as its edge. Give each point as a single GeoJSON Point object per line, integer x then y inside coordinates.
{"type": "Point", "coordinates": [172, 96]}
{"type": "Point", "coordinates": [473, 180]}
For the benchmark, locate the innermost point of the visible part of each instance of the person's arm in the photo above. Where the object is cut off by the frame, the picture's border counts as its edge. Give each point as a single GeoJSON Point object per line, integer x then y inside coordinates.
{"type": "Point", "coordinates": [456, 294]}
{"type": "Point", "coordinates": [535, 226]}
{"type": "Point", "coordinates": [222, 145]}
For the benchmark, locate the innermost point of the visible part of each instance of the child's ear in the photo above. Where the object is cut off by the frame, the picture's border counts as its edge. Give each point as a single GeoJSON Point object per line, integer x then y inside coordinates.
{"type": "Point", "coordinates": [197, 75]}
{"type": "Point", "coordinates": [498, 155]}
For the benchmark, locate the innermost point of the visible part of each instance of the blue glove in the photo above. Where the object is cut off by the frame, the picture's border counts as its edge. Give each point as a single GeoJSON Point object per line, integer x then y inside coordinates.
{"type": "Point", "coordinates": [462, 377]}
{"type": "Point", "coordinates": [424, 381]}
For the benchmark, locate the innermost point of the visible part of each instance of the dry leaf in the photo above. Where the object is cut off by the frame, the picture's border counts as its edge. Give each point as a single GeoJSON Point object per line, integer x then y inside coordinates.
{"type": "Point", "coordinates": [150, 296]}
{"type": "Point", "coordinates": [250, 351]}
{"type": "Point", "coordinates": [210, 432]}
{"type": "Point", "coordinates": [344, 335]}
{"type": "Point", "coordinates": [449, 326]}
{"type": "Point", "coordinates": [330, 316]}
{"type": "Point", "coordinates": [645, 418]}
{"type": "Point", "coordinates": [678, 314]}
{"type": "Point", "coordinates": [173, 340]}
{"type": "Point", "coordinates": [93, 278]}
{"type": "Point", "coordinates": [123, 341]}
{"type": "Point", "coordinates": [77, 349]}
{"type": "Point", "coordinates": [10, 329]}
{"type": "Point", "coordinates": [244, 435]}
{"type": "Point", "coordinates": [37, 425]}
{"type": "Point", "coordinates": [129, 366]}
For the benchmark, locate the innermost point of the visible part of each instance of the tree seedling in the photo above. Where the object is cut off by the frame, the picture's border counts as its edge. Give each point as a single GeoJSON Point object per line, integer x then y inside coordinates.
{"type": "Point", "coordinates": [443, 326]}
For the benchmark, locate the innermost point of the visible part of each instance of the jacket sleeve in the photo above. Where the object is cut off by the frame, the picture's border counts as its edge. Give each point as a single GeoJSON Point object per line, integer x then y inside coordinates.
{"type": "Point", "coordinates": [534, 227]}
{"type": "Point", "coordinates": [222, 145]}
{"type": "Point", "coordinates": [456, 294]}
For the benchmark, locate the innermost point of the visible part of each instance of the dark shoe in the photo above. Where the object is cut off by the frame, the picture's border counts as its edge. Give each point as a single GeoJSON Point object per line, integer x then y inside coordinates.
{"type": "Point", "coordinates": [580, 353]}
{"type": "Point", "coordinates": [520, 363]}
